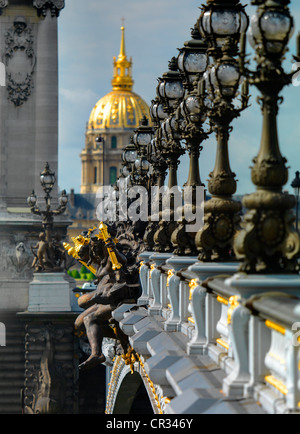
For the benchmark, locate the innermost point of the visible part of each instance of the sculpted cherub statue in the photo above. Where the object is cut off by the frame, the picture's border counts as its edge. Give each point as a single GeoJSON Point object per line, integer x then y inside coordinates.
{"type": "Point", "coordinates": [117, 279]}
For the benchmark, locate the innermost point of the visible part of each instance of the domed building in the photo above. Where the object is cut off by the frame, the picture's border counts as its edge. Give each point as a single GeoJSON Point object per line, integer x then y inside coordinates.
{"type": "Point", "coordinates": [110, 126]}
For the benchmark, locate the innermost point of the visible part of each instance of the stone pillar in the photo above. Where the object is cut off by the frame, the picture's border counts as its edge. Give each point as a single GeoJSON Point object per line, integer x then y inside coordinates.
{"type": "Point", "coordinates": [28, 138]}
{"type": "Point", "coordinates": [51, 347]}
{"type": "Point", "coordinates": [29, 101]}
{"type": "Point", "coordinates": [46, 104]}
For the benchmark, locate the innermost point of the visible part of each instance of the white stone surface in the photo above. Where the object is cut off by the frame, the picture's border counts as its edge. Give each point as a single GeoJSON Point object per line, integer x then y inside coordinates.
{"type": "Point", "coordinates": [49, 292]}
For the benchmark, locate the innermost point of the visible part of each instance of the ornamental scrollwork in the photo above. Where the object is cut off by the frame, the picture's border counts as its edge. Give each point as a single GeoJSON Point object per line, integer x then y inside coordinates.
{"type": "Point", "coordinates": [19, 51]}
{"type": "Point", "coordinates": [3, 4]}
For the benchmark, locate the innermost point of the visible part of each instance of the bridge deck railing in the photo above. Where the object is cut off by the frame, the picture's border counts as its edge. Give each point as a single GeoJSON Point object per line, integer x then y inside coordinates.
{"type": "Point", "coordinates": [253, 338]}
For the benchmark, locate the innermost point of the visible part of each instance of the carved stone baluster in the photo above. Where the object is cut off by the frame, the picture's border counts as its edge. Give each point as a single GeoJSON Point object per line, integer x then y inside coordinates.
{"type": "Point", "coordinates": [234, 384]}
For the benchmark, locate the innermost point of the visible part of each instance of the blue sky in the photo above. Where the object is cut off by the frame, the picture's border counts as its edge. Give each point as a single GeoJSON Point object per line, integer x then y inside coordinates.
{"type": "Point", "coordinates": [89, 37]}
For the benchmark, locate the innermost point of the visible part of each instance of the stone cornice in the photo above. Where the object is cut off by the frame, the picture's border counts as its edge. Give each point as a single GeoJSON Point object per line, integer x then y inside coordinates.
{"type": "Point", "coordinates": [54, 5]}
{"type": "Point", "coordinates": [42, 6]}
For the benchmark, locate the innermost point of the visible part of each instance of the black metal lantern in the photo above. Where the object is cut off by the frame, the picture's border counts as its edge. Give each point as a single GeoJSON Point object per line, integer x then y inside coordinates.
{"type": "Point", "coordinates": [142, 136]}
{"type": "Point", "coordinates": [152, 151]}
{"type": "Point", "coordinates": [63, 199]}
{"type": "Point", "coordinates": [171, 128]}
{"type": "Point", "coordinates": [225, 77]}
{"type": "Point", "coordinates": [142, 165]}
{"type": "Point", "coordinates": [191, 109]}
{"type": "Point", "coordinates": [32, 199]}
{"type": "Point", "coordinates": [47, 179]}
{"type": "Point", "coordinates": [193, 59]}
{"type": "Point", "coordinates": [130, 154]}
{"type": "Point", "coordinates": [125, 171]}
{"type": "Point", "coordinates": [220, 20]}
{"type": "Point", "coordinates": [270, 30]}
{"type": "Point", "coordinates": [170, 87]}
{"type": "Point", "coordinates": [157, 112]}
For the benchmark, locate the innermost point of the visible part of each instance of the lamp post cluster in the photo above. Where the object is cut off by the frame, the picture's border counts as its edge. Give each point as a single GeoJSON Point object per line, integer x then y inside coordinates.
{"type": "Point", "coordinates": [205, 88]}
{"type": "Point", "coordinates": [50, 254]}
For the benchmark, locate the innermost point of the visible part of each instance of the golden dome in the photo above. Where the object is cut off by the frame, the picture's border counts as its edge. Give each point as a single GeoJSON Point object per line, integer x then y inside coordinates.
{"type": "Point", "coordinates": [121, 108]}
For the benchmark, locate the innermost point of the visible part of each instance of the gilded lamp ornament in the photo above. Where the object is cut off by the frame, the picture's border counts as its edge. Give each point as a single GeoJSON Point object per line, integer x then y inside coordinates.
{"type": "Point", "coordinates": [269, 242]}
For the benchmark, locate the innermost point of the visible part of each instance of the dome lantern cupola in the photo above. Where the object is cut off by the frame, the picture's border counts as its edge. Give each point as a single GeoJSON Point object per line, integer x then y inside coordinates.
{"type": "Point", "coordinates": [122, 79]}
{"type": "Point", "coordinates": [121, 108]}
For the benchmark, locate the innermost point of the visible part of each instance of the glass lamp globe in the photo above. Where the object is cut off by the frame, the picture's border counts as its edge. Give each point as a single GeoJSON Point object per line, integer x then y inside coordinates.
{"type": "Point", "coordinates": [143, 135]}
{"type": "Point", "coordinates": [271, 29]}
{"type": "Point", "coordinates": [47, 179]}
{"type": "Point", "coordinates": [125, 171]}
{"type": "Point", "coordinates": [157, 112]}
{"type": "Point", "coordinates": [145, 165]}
{"type": "Point", "coordinates": [193, 59]}
{"type": "Point", "coordinates": [142, 139]}
{"type": "Point", "coordinates": [152, 151]}
{"type": "Point", "coordinates": [63, 200]}
{"type": "Point", "coordinates": [129, 155]}
{"type": "Point", "coordinates": [172, 128]}
{"type": "Point", "coordinates": [171, 90]}
{"type": "Point", "coordinates": [218, 22]}
{"type": "Point", "coordinates": [170, 87]}
{"type": "Point", "coordinates": [31, 200]}
{"type": "Point", "coordinates": [225, 79]}
{"type": "Point", "coordinates": [192, 63]}
{"type": "Point", "coordinates": [193, 105]}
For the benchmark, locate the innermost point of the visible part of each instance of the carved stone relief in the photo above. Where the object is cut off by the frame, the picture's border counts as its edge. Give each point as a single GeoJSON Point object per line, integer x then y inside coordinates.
{"type": "Point", "coordinates": [20, 61]}
{"type": "Point", "coordinates": [49, 383]}
{"type": "Point", "coordinates": [16, 260]}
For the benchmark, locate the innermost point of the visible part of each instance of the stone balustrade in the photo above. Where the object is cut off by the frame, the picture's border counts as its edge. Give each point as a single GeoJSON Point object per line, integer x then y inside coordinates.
{"type": "Point", "coordinates": [195, 319]}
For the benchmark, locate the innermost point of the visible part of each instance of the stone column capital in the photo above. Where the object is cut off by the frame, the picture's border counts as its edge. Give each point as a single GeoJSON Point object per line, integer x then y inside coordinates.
{"type": "Point", "coordinates": [43, 5]}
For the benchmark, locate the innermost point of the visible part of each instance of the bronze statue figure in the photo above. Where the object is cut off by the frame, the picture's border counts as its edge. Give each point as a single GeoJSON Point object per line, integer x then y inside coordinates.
{"type": "Point", "coordinates": [117, 279]}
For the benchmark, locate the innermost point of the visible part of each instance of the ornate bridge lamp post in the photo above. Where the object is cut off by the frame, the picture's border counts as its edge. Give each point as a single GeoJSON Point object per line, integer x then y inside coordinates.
{"type": "Point", "coordinates": [170, 92]}
{"type": "Point", "coordinates": [172, 151]}
{"type": "Point", "coordinates": [126, 179]}
{"type": "Point", "coordinates": [48, 179]}
{"type": "Point", "coordinates": [221, 26]}
{"type": "Point", "coordinates": [142, 138]}
{"type": "Point", "coordinates": [269, 243]}
{"type": "Point", "coordinates": [129, 157]}
{"type": "Point", "coordinates": [192, 62]}
{"type": "Point", "coordinates": [156, 150]}
{"type": "Point", "coordinates": [159, 167]}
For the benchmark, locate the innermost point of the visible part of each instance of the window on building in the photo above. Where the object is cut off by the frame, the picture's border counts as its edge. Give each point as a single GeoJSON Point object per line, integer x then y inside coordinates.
{"type": "Point", "coordinates": [95, 175]}
{"type": "Point", "coordinates": [114, 142]}
{"type": "Point", "coordinates": [112, 175]}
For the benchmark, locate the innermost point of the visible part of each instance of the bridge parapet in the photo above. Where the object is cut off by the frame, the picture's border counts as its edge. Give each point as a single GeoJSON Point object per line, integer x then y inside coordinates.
{"type": "Point", "coordinates": [212, 340]}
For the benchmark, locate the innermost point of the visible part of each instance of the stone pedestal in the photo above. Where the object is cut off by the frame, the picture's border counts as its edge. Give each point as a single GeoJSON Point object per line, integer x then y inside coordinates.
{"type": "Point", "coordinates": [202, 306]}
{"type": "Point", "coordinates": [49, 292]}
{"type": "Point", "coordinates": [144, 277]}
{"type": "Point", "coordinates": [158, 259]}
